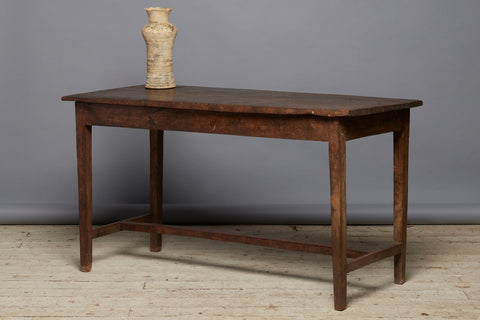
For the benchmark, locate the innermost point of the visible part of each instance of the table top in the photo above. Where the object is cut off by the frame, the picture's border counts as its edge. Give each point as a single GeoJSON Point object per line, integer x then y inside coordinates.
{"type": "Point", "coordinates": [245, 101]}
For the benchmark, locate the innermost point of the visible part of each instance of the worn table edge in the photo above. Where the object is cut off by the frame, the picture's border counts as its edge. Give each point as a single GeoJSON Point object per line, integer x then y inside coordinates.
{"type": "Point", "coordinates": [408, 103]}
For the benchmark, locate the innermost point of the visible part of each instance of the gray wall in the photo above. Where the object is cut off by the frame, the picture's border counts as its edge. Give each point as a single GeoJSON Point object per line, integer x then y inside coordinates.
{"type": "Point", "coordinates": [425, 49]}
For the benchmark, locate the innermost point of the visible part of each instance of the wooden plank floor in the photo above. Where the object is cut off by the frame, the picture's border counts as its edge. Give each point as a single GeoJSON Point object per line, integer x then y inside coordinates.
{"type": "Point", "coordinates": [201, 279]}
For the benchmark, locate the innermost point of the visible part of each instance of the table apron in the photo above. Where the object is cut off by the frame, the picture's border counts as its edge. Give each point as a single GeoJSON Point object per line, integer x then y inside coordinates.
{"type": "Point", "coordinates": [303, 127]}
{"type": "Point", "coordinates": [363, 126]}
{"type": "Point", "coordinates": [242, 124]}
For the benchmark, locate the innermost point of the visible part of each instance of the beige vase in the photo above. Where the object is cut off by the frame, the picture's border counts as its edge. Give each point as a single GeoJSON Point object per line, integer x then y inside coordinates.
{"type": "Point", "coordinates": [159, 35]}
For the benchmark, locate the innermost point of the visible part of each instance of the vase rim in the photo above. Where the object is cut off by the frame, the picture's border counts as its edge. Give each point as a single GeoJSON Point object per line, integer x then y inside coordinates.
{"type": "Point", "coordinates": [158, 9]}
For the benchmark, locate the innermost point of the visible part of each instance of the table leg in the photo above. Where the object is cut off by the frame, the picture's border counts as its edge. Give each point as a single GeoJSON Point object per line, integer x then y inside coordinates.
{"type": "Point", "coordinates": [337, 156]}
{"type": "Point", "coordinates": [84, 167]}
{"type": "Point", "coordinates": [156, 173]}
{"type": "Point", "coordinates": [400, 195]}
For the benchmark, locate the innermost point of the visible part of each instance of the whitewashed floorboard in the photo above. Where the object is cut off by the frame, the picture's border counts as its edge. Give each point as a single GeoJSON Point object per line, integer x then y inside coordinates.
{"type": "Point", "coordinates": [201, 279]}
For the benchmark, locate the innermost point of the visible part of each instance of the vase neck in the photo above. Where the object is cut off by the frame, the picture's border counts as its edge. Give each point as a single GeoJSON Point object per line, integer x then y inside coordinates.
{"type": "Point", "coordinates": [158, 15]}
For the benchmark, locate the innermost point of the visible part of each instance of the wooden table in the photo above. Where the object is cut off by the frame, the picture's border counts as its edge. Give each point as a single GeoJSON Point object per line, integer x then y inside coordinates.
{"type": "Point", "coordinates": [271, 114]}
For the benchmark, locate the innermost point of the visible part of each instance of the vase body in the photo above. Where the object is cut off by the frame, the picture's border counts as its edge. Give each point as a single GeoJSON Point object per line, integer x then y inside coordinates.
{"type": "Point", "coordinates": [159, 35]}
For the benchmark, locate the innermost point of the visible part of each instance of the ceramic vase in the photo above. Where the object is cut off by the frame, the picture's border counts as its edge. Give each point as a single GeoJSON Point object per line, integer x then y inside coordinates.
{"type": "Point", "coordinates": [159, 35]}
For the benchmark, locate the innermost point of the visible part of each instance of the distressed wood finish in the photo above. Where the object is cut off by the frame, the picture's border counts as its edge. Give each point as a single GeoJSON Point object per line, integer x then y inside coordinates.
{"type": "Point", "coordinates": [270, 114]}
{"type": "Point", "coordinates": [400, 195]}
{"type": "Point", "coordinates": [156, 175]}
{"type": "Point", "coordinates": [246, 101]}
{"type": "Point", "coordinates": [363, 126]}
{"type": "Point", "coordinates": [243, 124]}
{"type": "Point", "coordinates": [117, 226]}
{"type": "Point", "coordinates": [373, 257]}
{"type": "Point", "coordinates": [84, 166]}
{"type": "Point", "coordinates": [237, 238]}
{"type": "Point", "coordinates": [337, 158]}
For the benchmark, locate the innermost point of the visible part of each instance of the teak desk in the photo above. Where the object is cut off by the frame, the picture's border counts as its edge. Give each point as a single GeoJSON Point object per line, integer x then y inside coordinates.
{"type": "Point", "coordinates": [284, 115]}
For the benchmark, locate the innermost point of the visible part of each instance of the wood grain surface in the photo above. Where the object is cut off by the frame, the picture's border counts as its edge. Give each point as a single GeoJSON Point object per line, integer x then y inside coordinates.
{"type": "Point", "coordinates": [304, 116]}
{"type": "Point", "coordinates": [246, 101]}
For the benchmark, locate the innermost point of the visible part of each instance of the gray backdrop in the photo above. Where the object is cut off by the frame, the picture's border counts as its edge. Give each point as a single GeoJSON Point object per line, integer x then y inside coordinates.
{"type": "Point", "coordinates": [427, 50]}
